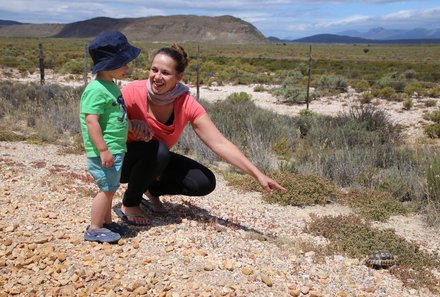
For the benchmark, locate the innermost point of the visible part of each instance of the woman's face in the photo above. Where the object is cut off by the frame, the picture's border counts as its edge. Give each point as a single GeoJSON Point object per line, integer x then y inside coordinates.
{"type": "Point", "coordinates": [163, 75]}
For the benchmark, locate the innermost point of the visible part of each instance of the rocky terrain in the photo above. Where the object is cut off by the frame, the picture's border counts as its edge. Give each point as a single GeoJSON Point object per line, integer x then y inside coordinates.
{"type": "Point", "coordinates": [228, 243]}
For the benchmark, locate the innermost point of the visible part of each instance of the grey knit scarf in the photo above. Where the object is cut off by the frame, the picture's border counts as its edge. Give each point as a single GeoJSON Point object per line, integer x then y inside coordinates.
{"type": "Point", "coordinates": [168, 97]}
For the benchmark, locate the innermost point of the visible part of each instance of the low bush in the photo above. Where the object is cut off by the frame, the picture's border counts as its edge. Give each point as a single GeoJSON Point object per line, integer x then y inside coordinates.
{"type": "Point", "coordinates": [366, 98]}
{"type": "Point", "coordinates": [408, 104]}
{"type": "Point", "coordinates": [361, 86]}
{"type": "Point", "coordinates": [302, 189]}
{"type": "Point", "coordinates": [241, 96]}
{"type": "Point", "coordinates": [433, 129]}
{"type": "Point", "coordinates": [377, 206]}
{"type": "Point", "coordinates": [387, 93]}
{"type": "Point", "coordinates": [352, 236]}
{"type": "Point", "coordinates": [333, 83]}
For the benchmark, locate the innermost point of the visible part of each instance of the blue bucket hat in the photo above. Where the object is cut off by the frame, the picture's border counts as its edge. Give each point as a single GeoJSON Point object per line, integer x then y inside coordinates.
{"type": "Point", "coordinates": [110, 51]}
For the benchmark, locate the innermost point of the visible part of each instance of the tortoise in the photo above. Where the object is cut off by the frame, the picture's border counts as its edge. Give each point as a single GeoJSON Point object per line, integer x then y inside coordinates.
{"type": "Point", "coordinates": [381, 260]}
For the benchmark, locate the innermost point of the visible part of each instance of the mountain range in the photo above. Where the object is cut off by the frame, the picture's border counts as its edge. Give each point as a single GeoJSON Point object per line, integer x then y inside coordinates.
{"type": "Point", "coordinates": [381, 33]}
{"type": "Point", "coordinates": [219, 29]}
{"type": "Point", "coordinates": [179, 28]}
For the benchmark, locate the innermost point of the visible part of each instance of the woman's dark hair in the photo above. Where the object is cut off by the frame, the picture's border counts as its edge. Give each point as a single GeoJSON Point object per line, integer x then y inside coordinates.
{"type": "Point", "coordinates": [177, 53]}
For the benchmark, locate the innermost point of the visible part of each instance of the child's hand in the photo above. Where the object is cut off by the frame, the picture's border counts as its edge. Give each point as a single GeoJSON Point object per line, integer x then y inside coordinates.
{"type": "Point", "coordinates": [140, 130]}
{"type": "Point", "coordinates": [106, 159]}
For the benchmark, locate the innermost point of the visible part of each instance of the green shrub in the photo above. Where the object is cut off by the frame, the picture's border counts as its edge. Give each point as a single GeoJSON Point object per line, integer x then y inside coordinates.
{"type": "Point", "coordinates": [73, 67]}
{"type": "Point", "coordinates": [367, 97]}
{"type": "Point", "coordinates": [409, 74]}
{"type": "Point", "coordinates": [432, 130]}
{"type": "Point", "coordinates": [391, 80]}
{"type": "Point", "coordinates": [237, 97]}
{"type": "Point", "coordinates": [377, 206]}
{"type": "Point", "coordinates": [433, 179]}
{"type": "Point", "coordinates": [335, 83]}
{"type": "Point", "coordinates": [408, 104]}
{"type": "Point", "coordinates": [302, 190]}
{"type": "Point", "coordinates": [414, 88]}
{"type": "Point", "coordinates": [291, 89]}
{"type": "Point", "coordinates": [430, 103]}
{"type": "Point", "coordinates": [387, 93]}
{"type": "Point", "coordinates": [433, 92]}
{"type": "Point", "coordinates": [433, 116]}
{"type": "Point", "coordinates": [259, 88]}
{"type": "Point", "coordinates": [361, 86]}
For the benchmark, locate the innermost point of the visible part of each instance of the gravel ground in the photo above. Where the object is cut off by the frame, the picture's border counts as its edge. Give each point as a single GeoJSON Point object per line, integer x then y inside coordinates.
{"type": "Point", "coordinates": [227, 243]}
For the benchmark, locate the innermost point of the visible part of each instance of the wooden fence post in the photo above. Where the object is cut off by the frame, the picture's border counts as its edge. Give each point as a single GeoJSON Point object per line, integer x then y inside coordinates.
{"type": "Point", "coordinates": [86, 63]}
{"type": "Point", "coordinates": [309, 75]}
{"type": "Point", "coordinates": [40, 48]}
{"type": "Point", "coordinates": [198, 72]}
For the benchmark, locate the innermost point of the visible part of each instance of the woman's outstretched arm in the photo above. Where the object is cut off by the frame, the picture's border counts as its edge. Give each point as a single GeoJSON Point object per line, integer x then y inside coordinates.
{"type": "Point", "coordinates": [225, 149]}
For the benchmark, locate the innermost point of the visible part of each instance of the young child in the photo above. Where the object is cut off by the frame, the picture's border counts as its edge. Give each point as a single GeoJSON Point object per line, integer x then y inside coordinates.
{"type": "Point", "coordinates": [104, 128]}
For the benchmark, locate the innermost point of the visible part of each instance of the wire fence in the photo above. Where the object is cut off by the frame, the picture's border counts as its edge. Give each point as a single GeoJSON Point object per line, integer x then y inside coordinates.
{"type": "Point", "coordinates": [312, 75]}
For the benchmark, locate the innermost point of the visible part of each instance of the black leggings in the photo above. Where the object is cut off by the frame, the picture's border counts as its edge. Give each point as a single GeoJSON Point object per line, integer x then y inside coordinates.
{"type": "Point", "coordinates": [151, 166]}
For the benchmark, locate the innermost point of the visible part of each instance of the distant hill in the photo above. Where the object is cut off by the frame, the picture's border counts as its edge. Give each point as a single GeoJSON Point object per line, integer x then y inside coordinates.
{"type": "Point", "coordinates": [178, 28]}
{"type": "Point", "coordinates": [333, 38]}
{"type": "Point", "coordinates": [381, 33]}
{"type": "Point", "coordinates": [7, 22]}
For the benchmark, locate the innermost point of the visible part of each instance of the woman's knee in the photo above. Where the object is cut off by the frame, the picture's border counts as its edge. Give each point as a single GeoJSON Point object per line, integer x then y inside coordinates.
{"type": "Point", "coordinates": [207, 184]}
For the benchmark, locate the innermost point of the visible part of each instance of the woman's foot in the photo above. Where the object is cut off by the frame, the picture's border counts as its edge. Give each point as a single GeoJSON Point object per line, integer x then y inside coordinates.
{"type": "Point", "coordinates": [156, 204]}
{"type": "Point", "coordinates": [135, 215]}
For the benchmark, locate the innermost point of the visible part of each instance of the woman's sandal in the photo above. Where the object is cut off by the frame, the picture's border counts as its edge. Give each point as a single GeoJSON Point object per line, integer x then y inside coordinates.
{"type": "Point", "coordinates": [147, 204]}
{"type": "Point", "coordinates": [126, 218]}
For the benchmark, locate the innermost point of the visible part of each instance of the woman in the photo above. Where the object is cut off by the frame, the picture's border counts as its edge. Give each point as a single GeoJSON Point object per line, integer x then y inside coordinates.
{"type": "Point", "coordinates": [149, 166]}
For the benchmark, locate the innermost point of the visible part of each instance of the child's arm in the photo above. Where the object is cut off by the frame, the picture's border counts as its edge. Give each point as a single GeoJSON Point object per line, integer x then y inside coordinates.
{"type": "Point", "coordinates": [96, 136]}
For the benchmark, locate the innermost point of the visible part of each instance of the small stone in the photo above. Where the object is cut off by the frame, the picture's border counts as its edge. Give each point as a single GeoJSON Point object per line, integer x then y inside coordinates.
{"type": "Point", "coordinates": [322, 275]}
{"type": "Point", "coordinates": [10, 228]}
{"type": "Point", "coordinates": [294, 292]}
{"type": "Point", "coordinates": [228, 264]}
{"type": "Point", "coordinates": [135, 244]}
{"type": "Point", "coordinates": [208, 267]}
{"type": "Point", "coordinates": [315, 294]}
{"type": "Point", "coordinates": [7, 242]}
{"type": "Point", "coordinates": [140, 291]}
{"type": "Point", "coordinates": [61, 257]}
{"type": "Point", "coordinates": [368, 290]}
{"type": "Point", "coordinates": [305, 290]}
{"type": "Point", "coordinates": [169, 249]}
{"type": "Point", "coordinates": [267, 280]}
{"type": "Point", "coordinates": [247, 271]}
{"type": "Point", "coordinates": [342, 294]}
{"type": "Point", "coordinates": [146, 261]}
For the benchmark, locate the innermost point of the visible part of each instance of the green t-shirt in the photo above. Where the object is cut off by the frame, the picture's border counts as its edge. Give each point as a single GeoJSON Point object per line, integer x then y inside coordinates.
{"type": "Point", "coordinates": [104, 98]}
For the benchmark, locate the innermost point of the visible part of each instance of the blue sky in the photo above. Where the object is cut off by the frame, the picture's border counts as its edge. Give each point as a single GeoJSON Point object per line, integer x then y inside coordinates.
{"type": "Point", "coordinates": [279, 18]}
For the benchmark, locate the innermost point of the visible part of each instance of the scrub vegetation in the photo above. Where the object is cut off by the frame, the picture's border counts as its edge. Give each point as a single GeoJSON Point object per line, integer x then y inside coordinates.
{"type": "Point", "coordinates": [357, 158]}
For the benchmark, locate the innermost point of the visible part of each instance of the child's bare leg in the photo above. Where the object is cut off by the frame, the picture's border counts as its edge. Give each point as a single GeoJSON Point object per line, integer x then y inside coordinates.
{"type": "Point", "coordinates": [101, 207]}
